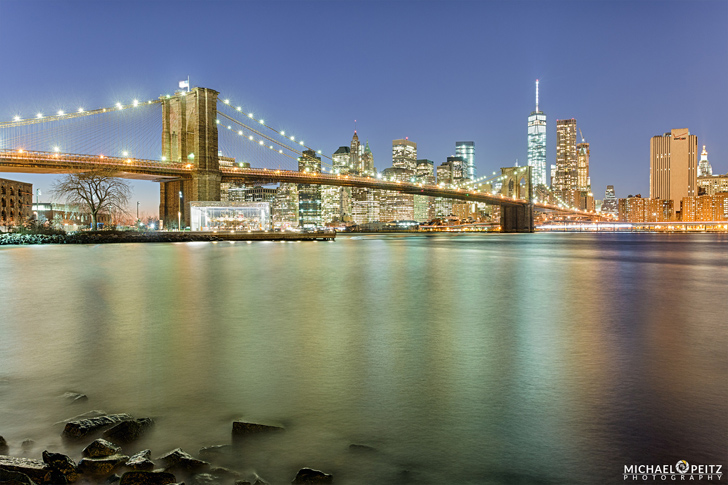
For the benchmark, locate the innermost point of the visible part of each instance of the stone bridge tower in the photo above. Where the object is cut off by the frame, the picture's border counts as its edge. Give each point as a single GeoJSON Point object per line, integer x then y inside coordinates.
{"type": "Point", "coordinates": [189, 135]}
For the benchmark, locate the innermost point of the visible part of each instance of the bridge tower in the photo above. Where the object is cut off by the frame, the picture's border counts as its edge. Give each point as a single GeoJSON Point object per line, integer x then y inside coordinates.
{"type": "Point", "coordinates": [518, 182]}
{"type": "Point", "coordinates": [189, 135]}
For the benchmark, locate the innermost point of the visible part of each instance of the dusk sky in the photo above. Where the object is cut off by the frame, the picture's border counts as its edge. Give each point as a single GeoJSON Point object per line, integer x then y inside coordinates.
{"type": "Point", "coordinates": [436, 72]}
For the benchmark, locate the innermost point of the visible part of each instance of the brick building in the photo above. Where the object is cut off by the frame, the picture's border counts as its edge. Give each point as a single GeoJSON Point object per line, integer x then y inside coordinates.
{"type": "Point", "coordinates": [16, 199]}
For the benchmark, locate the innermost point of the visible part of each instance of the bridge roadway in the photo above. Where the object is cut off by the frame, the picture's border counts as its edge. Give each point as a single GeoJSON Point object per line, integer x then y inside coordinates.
{"type": "Point", "coordinates": [25, 161]}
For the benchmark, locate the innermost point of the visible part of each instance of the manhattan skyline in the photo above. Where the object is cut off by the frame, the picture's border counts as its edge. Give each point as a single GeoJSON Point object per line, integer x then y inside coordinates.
{"type": "Point", "coordinates": [398, 70]}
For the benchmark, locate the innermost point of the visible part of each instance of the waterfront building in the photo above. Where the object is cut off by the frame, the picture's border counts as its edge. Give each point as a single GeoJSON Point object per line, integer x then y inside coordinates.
{"type": "Point", "coordinates": [365, 205]}
{"type": "Point", "coordinates": [566, 158]}
{"type": "Point", "coordinates": [639, 209]}
{"type": "Point", "coordinates": [673, 166]}
{"type": "Point", "coordinates": [68, 217]}
{"type": "Point", "coordinates": [704, 168]}
{"type": "Point", "coordinates": [16, 200]}
{"type": "Point", "coordinates": [705, 208]}
{"type": "Point", "coordinates": [309, 195]}
{"type": "Point", "coordinates": [336, 201]}
{"type": "Point", "coordinates": [230, 216]}
{"type": "Point", "coordinates": [537, 144]}
{"type": "Point", "coordinates": [396, 206]}
{"type": "Point", "coordinates": [246, 193]}
{"type": "Point", "coordinates": [609, 205]}
{"type": "Point", "coordinates": [404, 154]}
{"type": "Point", "coordinates": [285, 206]}
{"type": "Point", "coordinates": [466, 151]}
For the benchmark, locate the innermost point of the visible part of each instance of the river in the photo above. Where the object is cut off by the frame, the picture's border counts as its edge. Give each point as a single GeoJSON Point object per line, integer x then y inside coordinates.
{"type": "Point", "coordinates": [477, 359]}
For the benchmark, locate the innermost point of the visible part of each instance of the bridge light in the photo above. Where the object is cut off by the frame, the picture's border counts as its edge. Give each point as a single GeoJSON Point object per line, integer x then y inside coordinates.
{"type": "Point", "coordinates": [280, 151]}
{"type": "Point", "coordinates": [250, 115]}
{"type": "Point", "coordinates": [126, 154]}
{"type": "Point", "coordinates": [164, 159]}
{"type": "Point", "coordinates": [239, 108]}
{"type": "Point", "coordinates": [261, 142]}
{"type": "Point", "coordinates": [191, 156]}
{"type": "Point", "coordinates": [217, 121]}
{"type": "Point", "coordinates": [16, 118]}
{"type": "Point", "coordinates": [60, 112]}
{"type": "Point", "coordinates": [39, 115]}
{"type": "Point", "coordinates": [293, 138]}
{"type": "Point", "coordinates": [227, 101]}
{"type": "Point", "coordinates": [135, 103]}
{"type": "Point", "coordinates": [300, 142]}
{"type": "Point", "coordinates": [240, 132]}
{"type": "Point", "coordinates": [319, 152]}
{"type": "Point", "coordinates": [283, 133]}
{"type": "Point", "coordinates": [56, 149]}
{"type": "Point", "coordinates": [230, 127]}
{"type": "Point", "coordinates": [80, 110]}
{"type": "Point", "coordinates": [118, 105]}
{"type": "Point", "coordinates": [262, 122]}
{"type": "Point", "coordinates": [101, 156]}
{"type": "Point", "coordinates": [250, 137]}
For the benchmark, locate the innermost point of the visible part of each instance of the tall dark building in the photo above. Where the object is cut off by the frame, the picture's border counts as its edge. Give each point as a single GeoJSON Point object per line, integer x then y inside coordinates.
{"type": "Point", "coordinates": [309, 195]}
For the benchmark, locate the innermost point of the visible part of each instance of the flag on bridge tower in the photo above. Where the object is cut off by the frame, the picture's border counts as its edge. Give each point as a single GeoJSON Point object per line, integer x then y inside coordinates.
{"type": "Point", "coordinates": [185, 84]}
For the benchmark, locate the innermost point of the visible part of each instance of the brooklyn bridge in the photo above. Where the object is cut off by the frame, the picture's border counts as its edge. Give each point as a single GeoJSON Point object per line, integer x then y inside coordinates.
{"type": "Point", "coordinates": [207, 141]}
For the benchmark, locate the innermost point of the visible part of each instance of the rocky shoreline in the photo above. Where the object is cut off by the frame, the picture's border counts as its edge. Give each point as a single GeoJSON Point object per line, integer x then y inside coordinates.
{"type": "Point", "coordinates": [110, 237]}
{"type": "Point", "coordinates": [103, 460]}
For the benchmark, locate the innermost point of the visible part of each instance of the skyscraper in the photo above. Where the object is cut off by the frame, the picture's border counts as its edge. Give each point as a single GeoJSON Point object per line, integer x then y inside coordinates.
{"type": "Point", "coordinates": [309, 195]}
{"type": "Point", "coordinates": [673, 166]}
{"type": "Point", "coordinates": [566, 159]}
{"type": "Point", "coordinates": [366, 162]}
{"type": "Point", "coordinates": [466, 150]}
{"type": "Point", "coordinates": [355, 153]}
{"type": "Point", "coordinates": [404, 154]}
{"type": "Point", "coordinates": [537, 144]}
{"type": "Point", "coordinates": [704, 168]}
{"type": "Point", "coordinates": [610, 203]}
{"type": "Point", "coordinates": [583, 181]}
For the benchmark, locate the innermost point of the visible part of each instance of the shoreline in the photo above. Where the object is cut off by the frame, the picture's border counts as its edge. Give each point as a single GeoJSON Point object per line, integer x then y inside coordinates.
{"type": "Point", "coordinates": [111, 237]}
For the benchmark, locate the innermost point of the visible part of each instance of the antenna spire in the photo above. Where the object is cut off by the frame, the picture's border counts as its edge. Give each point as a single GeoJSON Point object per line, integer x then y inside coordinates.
{"type": "Point", "coordinates": [536, 94]}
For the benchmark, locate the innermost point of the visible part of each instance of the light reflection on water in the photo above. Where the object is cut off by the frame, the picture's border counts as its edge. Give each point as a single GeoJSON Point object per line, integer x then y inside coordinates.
{"type": "Point", "coordinates": [544, 358]}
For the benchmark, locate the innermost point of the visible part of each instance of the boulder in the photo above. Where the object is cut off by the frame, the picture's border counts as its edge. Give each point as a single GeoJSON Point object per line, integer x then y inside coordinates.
{"type": "Point", "coordinates": [102, 466]}
{"type": "Point", "coordinates": [147, 478]}
{"type": "Point", "coordinates": [8, 477]}
{"type": "Point", "coordinates": [38, 471]}
{"type": "Point", "coordinates": [99, 448]}
{"type": "Point", "coordinates": [223, 473]}
{"type": "Point", "coordinates": [141, 461]}
{"type": "Point", "coordinates": [211, 452]}
{"type": "Point", "coordinates": [3, 446]}
{"type": "Point", "coordinates": [27, 444]}
{"type": "Point", "coordinates": [83, 427]}
{"type": "Point", "coordinates": [89, 414]}
{"type": "Point", "coordinates": [128, 431]}
{"type": "Point", "coordinates": [241, 428]}
{"type": "Point", "coordinates": [75, 397]}
{"type": "Point", "coordinates": [62, 465]}
{"type": "Point", "coordinates": [113, 478]}
{"type": "Point", "coordinates": [309, 475]}
{"type": "Point", "coordinates": [181, 460]}
{"type": "Point", "coordinates": [204, 479]}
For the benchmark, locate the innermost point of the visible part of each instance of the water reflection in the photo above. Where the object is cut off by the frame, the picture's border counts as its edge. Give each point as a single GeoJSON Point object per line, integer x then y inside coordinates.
{"type": "Point", "coordinates": [545, 358]}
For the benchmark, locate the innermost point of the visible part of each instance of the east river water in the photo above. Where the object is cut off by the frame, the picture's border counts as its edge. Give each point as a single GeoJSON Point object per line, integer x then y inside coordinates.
{"type": "Point", "coordinates": [473, 359]}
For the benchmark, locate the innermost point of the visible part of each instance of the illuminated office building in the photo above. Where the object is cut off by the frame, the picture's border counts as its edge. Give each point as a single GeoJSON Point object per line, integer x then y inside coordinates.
{"type": "Point", "coordinates": [309, 195]}
{"type": "Point", "coordinates": [537, 144]}
{"type": "Point", "coordinates": [673, 166]}
{"type": "Point", "coordinates": [466, 150]}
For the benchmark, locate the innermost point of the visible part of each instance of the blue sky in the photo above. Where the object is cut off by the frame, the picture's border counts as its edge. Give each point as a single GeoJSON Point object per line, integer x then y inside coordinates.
{"type": "Point", "coordinates": [436, 72]}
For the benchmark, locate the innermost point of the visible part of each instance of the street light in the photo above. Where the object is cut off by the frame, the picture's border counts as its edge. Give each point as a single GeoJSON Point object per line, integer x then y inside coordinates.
{"type": "Point", "coordinates": [179, 213]}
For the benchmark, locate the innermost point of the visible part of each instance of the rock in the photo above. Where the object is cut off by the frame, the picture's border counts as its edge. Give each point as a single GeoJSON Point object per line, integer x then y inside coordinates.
{"type": "Point", "coordinates": [8, 477]}
{"type": "Point", "coordinates": [62, 465]}
{"type": "Point", "coordinates": [75, 397]}
{"type": "Point", "coordinates": [83, 427]}
{"type": "Point", "coordinates": [241, 428]}
{"type": "Point", "coordinates": [361, 448]}
{"type": "Point", "coordinates": [309, 475]}
{"type": "Point", "coordinates": [141, 461]}
{"type": "Point", "coordinates": [102, 466]}
{"type": "Point", "coordinates": [3, 446]}
{"type": "Point", "coordinates": [147, 478]}
{"type": "Point", "coordinates": [27, 444]}
{"type": "Point", "coordinates": [224, 473]}
{"type": "Point", "coordinates": [38, 471]}
{"type": "Point", "coordinates": [99, 448]}
{"type": "Point", "coordinates": [128, 431]}
{"type": "Point", "coordinates": [210, 452]}
{"type": "Point", "coordinates": [204, 479]}
{"type": "Point", "coordinates": [179, 459]}
{"type": "Point", "coordinates": [90, 414]}
{"type": "Point", "coordinates": [113, 478]}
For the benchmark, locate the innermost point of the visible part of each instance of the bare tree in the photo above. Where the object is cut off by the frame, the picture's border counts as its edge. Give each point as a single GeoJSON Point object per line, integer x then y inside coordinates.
{"type": "Point", "coordinates": [94, 192]}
